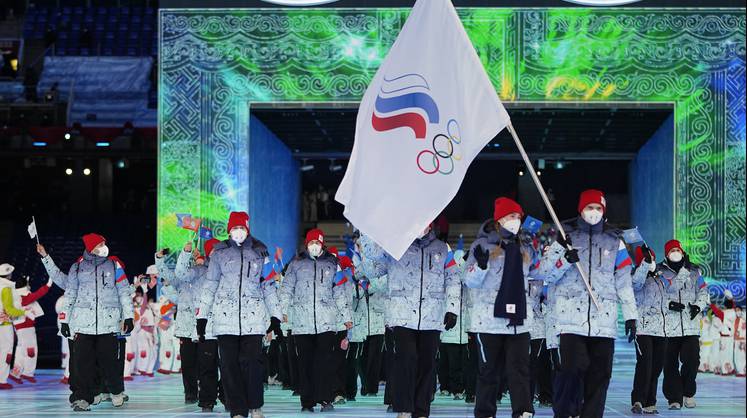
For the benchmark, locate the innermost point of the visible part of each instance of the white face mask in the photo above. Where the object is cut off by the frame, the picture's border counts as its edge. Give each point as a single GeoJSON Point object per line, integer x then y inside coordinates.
{"type": "Point", "coordinates": [591, 216]}
{"type": "Point", "coordinates": [238, 235]}
{"type": "Point", "coordinates": [315, 250]}
{"type": "Point", "coordinates": [139, 300]}
{"type": "Point", "coordinates": [102, 251]}
{"type": "Point", "coordinates": [512, 226]}
{"type": "Point", "coordinates": [675, 256]}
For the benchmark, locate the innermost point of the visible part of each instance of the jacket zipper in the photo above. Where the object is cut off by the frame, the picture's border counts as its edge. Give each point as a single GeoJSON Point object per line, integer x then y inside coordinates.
{"type": "Point", "coordinates": [420, 301]}
{"type": "Point", "coordinates": [314, 301]}
{"type": "Point", "coordinates": [588, 312]}
{"type": "Point", "coordinates": [241, 280]}
{"type": "Point", "coordinates": [661, 307]}
{"type": "Point", "coordinates": [96, 285]}
{"type": "Point", "coordinates": [682, 322]}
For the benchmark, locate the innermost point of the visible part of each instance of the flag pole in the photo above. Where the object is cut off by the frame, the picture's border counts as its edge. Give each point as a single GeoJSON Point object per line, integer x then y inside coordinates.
{"type": "Point", "coordinates": [36, 229]}
{"type": "Point", "coordinates": [549, 207]}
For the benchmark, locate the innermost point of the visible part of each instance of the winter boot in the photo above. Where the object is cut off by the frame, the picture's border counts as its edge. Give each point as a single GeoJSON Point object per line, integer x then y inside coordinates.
{"type": "Point", "coordinates": [81, 406]}
{"type": "Point", "coordinates": [689, 402]}
{"type": "Point", "coordinates": [650, 410]}
{"type": "Point", "coordinates": [257, 413]}
{"type": "Point", "coordinates": [637, 408]}
{"type": "Point", "coordinates": [675, 406]}
{"type": "Point", "coordinates": [118, 400]}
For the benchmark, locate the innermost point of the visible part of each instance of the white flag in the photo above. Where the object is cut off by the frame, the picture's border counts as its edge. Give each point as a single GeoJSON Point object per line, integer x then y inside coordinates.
{"type": "Point", "coordinates": [427, 113]}
{"type": "Point", "coordinates": [32, 229]}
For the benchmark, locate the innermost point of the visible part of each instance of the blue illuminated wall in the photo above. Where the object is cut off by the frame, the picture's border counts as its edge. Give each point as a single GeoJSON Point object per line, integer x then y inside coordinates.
{"type": "Point", "coordinates": [274, 187]}
{"type": "Point", "coordinates": [651, 182]}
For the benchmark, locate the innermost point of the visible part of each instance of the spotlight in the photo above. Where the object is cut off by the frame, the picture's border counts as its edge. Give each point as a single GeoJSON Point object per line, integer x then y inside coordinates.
{"type": "Point", "coordinates": [122, 164]}
{"type": "Point", "coordinates": [69, 171]}
{"type": "Point", "coordinates": [521, 173]}
{"type": "Point", "coordinates": [102, 144]}
{"type": "Point", "coordinates": [305, 166]}
{"type": "Point", "coordinates": [39, 144]}
{"type": "Point", "coordinates": [86, 171]}
{"type": "Point", "coordinates": [539, 173]}
{"type": "Point", "coordinates": [559, 165]}
{"type": "Point", "coordinates": [67, 135]}
{"type": "Point", "coordinates": [334, 167]}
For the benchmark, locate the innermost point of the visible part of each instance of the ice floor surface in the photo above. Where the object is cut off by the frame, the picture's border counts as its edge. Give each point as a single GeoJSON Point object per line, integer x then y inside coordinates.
{"type": "Point", "coordinates": [162, 396]}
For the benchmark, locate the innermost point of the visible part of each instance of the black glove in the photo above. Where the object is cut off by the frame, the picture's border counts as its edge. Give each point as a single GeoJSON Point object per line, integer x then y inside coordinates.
{"type": "Point", "coordinates": [647, 256]}
{"type": "Point", "coordinates": [275, 327]}
{"type": "Point", "coordinates": [65, 330]}
{"type": "Point", "coordinates": [630, 329]}
{"type": "Point", "coordinates": [128, 326]}
{"type": "Point", "coordinates": [450, 321]}
{"type": "Point", "coordinates": [694, 310]}
{"type": "Point", "coordinates": [201, 325]}
{"type": "Point", "coordinates": [564, 241]}
{"type": "Point", "coordinates": [676, 306]}
{"type": "Point", "coordinates": [571, 256]}
{"type": "Point", "coordinates": [481, 256]}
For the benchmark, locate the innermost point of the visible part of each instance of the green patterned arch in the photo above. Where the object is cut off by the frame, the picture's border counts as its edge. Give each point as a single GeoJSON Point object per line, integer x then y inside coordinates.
{"type": "Point", "coordinates": [214, 62]}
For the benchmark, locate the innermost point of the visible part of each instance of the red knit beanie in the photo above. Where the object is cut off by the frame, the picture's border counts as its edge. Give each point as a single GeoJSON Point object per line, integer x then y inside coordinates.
{"type": "Point", "coordinates": [238, 219]}
{"type": "Point", "coordinates": [92, 240]}
{"type": "Point", "coordinates": [639, 255]}
{"type": "Point", "coordinates": [671, 245]}
{"type": "Point", "coordinates": [209, 244]}
{"type": "Point", "coordinates": [333, 250]}
{"type": "Point", "coordinates": [315, 235]}
{"type": "Point", "coordinates": [592, 196]}
{"type": "Point", "coordinates": [505, 206]}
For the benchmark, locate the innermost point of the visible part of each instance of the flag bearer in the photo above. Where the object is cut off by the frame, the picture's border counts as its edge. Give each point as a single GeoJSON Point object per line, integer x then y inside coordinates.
{"type": "Point", "coordinates": [239, 295]}
{"type": "Point", "coordinates": [500, 314]}
{"type": "Point", "coordinates": [587, 332]}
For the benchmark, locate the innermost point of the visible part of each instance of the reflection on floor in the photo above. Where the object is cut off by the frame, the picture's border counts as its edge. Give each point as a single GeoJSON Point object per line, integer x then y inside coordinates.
{"type": "Point", "coordinates": [162, 396]}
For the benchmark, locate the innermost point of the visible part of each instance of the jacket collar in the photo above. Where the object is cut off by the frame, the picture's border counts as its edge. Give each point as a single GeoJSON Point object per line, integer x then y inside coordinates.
{"type": "Point", "coordinates": [92, 258]}
{"type": "Point", "coordinates": [584, 226]}
{"type": "Point", "coordinates": [7, 283]}
{"type": "Point", "coordinates": [426, 240]}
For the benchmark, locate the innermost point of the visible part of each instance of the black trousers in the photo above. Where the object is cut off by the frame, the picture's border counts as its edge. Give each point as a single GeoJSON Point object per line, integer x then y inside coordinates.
{"type": "Point", "coordinates": [207, 372]}
{"type": "Point", "coordinates": [541, 366]}
{"type": "Point", "coordinates": [584, 376]}
{"type": "Point", "coordinates": [283, 370]}
{"type": "Point", "coordinates": [389, 365]}
{"type": "Point", "coordinates": [316, 367]}
{"type": "Point", "coordinates": [414, 370]}
{"type": "Point", "coordinates": [354, 362]}
{"type": "Point", "coordinates": [292, 352]}
{"type": "Point", "coordinates": [72, 379]}
{"type": "Point", "coordinates": [338, 356]}
{"type": "Point", "coordinates": [373, 356]}
{"type": "Point", "coordinates": [470, 368]}
{"type": "Point", "coordinates": [188, 352]}
{"type": "Point", "coordinates": [94, 353]}
{"type": "Point", "coordinates": [273, 358]}
{"type": "Point", "coordinates": [679, 380]}
{"type": "Point", "coordinates": [451, 364]}
{"type": "Point", "coordinates": [648, 367]}
{"type": "Point", "coordinates": [503, 355]}
{"type": "Point", "coordinates": [242, 371]}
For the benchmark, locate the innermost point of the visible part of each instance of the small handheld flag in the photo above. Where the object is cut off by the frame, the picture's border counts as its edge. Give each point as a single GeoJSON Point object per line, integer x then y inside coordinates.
{"type": "Point", "coordinates": [186, 221]}
{"type": "Point", "coordinates": [32, 230]}
{"type": "Point", "coordinates": [531, 225]}
{"type": "Point", "coordinates": [632, 236]}
{"type": "Point", "coordinates": [206, 233]}
{"type": "Point", "coordinates": [460, 243]}
{"type": "Point", "coordinates": [268, 272]}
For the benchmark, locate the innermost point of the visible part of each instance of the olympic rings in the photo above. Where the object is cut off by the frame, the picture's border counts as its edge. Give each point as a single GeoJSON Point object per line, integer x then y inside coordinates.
{"type": "Point", "coordinates": [437, 154]}
{"type": "Point", "coordinates": [441, 153]}
{"type": "Point", "coordinates": [456, 137]}
{"type": "Point", "coordinates": [436, 163]}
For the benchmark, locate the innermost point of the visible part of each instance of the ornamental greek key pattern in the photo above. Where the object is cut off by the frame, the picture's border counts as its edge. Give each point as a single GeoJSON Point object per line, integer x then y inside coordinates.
{"type": "Point", "coordinates": [214, 62]}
